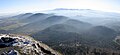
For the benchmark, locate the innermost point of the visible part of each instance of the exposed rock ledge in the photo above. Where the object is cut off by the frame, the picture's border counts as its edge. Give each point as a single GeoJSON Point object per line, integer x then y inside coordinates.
{"type": "Point", "coordinates": [11, 44]}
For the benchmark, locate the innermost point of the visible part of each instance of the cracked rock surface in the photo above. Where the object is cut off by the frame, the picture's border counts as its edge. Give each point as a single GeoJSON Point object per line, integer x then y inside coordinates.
{"type": "Point", "coordinates": [11, 44]}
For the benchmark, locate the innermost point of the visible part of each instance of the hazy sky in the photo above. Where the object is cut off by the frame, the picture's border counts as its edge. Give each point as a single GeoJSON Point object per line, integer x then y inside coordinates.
{"type": "Point", "coordinates": [9, 6]}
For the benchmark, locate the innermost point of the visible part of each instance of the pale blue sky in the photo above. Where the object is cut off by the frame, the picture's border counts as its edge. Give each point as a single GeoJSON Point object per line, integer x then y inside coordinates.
{"type": "Point", "coordinates": [11, 6]}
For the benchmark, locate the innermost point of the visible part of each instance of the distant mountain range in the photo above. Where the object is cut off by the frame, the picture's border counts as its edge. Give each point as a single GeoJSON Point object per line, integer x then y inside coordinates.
{"type": "Point", "coordinates": [81, 12]}
{"type": "Point", "coordinates": [38, 22]}
{"type": "Point", "coordinates": [86, 15]}
{"type": "Point", "coordinates": [68, 30]}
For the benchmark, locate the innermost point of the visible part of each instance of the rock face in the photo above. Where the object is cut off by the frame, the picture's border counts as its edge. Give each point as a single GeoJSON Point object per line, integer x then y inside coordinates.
{"type": "Point", "coordinates": [11, 44]}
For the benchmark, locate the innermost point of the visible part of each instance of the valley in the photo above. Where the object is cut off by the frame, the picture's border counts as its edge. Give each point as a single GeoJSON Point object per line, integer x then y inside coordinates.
{"type": "Point", "coordinates": [82, 32]}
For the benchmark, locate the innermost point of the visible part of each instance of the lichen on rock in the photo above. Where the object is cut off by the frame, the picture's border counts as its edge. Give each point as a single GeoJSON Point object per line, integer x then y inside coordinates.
{"type": "Point", "coordinates": [11, 44]}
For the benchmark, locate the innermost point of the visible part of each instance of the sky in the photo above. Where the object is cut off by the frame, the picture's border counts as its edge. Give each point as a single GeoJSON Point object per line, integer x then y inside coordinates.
{"type": "Point", "coordinates": [12, 6]}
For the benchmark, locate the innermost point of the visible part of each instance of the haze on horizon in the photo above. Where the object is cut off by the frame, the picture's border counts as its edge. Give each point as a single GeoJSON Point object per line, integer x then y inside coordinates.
{"type": "Point", "coordinates": [12, 6]}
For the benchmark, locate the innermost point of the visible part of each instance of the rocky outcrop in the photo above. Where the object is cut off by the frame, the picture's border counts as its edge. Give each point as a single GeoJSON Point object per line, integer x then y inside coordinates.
{"type": "Point", "coordinates": [11, 44]}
